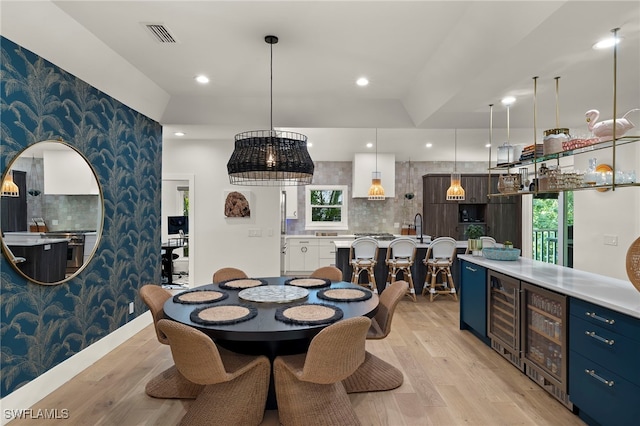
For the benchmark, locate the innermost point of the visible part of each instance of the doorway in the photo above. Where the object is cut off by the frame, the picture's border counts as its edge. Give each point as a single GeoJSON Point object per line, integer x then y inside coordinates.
{"type": "Point", "coordinates": [177, 201]}
{"type": "Point", "coordinates": [552, 228]}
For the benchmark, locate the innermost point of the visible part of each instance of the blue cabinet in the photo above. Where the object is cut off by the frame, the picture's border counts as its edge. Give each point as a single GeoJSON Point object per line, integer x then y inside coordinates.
{"type": "Point", "coordinates": [604, 378]}
{"type": "Point", "coordinates": [473, 299]}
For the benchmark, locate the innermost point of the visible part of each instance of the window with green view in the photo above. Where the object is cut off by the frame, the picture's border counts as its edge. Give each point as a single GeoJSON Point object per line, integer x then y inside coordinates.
{"type": "Point", "coordinates": [326, 207]}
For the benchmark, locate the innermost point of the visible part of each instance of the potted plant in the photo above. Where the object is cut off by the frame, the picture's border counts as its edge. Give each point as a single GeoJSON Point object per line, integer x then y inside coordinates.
{"type": "Point", "coordinates": [474, 243]}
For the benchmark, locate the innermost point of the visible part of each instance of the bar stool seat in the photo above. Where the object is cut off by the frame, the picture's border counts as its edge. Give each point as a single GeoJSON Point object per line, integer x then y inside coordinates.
{"type": "Point", "coordinates": [438, 261]}
{"type": "Point", "coordinates": [400, 257]}
{"type": "Point", "coordinates": [363, 256]}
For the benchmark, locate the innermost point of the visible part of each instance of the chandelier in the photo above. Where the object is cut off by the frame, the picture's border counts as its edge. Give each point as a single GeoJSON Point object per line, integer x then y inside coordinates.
{"type": "Point", "coordinates": [269, 157]}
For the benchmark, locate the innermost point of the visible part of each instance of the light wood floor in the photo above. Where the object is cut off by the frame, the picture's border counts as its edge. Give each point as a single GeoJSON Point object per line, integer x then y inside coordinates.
{"type": "Point", "coordinates": [451, 378]}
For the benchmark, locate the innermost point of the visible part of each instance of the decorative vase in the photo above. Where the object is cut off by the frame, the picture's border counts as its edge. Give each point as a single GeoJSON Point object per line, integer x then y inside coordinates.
{"type": "Point", "coordinates": [475, 246]}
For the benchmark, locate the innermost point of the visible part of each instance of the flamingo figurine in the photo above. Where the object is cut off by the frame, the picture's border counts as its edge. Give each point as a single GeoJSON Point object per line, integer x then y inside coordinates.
{"type": "Point", "coordinates": [604, 129]}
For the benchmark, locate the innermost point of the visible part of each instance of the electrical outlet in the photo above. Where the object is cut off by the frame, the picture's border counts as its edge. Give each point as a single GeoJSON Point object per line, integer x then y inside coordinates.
{"type": "Point", "coordinates": [131, 308]}
{"type": "Point", "coordinates": [611, 240]}
{"type": "Point", "coordinates": [255, 232]}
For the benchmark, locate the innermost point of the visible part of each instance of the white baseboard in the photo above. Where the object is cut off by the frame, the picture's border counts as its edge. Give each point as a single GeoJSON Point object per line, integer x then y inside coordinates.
{"type": "Point", "coordinates": [29, 394]}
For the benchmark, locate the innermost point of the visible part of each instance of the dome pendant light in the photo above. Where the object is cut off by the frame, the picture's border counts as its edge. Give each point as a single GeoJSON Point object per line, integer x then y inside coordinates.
{"type": "Point", "coordinates": [455, 191]}
{"type": "Point", "coordinates": [376, 191]}
{"type": "Point", "coordinates": [270, 158]}
{"type": "Point", "coordinates": [9, 187]}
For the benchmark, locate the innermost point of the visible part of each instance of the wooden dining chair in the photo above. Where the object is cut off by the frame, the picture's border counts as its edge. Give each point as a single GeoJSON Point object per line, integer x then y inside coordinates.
{"type": "Point", "coordinates": [224, 274]}
{"type": "Point", "coordinates": [328, 272]}
{"type": "Point", "coordinates": [309, 386]}
{"type": "Point", "coordinates": [376, 374]}
{"type": "Point", "coordinates": [235, 385]}
{"type": "Point", "coordinates": [170, 383]}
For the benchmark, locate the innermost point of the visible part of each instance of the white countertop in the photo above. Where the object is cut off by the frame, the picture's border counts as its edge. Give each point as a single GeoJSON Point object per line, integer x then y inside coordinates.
{"type": "Point", "coordinates": [25, 241]}
{"type": "Point", "coordinates": [385, 244]}
{"type": "Point", "coordinates": [618, 295]}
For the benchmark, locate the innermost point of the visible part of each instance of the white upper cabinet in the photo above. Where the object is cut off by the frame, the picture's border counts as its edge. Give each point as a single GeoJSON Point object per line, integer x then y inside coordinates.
{"type": "Point", "coordinates": [292, 201]}
{"type": "Point", "coordinates": [67, 173]}
{"type": "Point", "coordinates": [363, 167]}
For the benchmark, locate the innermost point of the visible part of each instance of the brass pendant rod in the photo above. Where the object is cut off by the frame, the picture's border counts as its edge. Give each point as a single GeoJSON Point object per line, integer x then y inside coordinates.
{"type": "Point", "coordinates": [455, 150]}
{"type": "Point", "coordinates": [508, 124]}
{"type": "Point", "coordinates": [557, 103]}
{"type": "Point", "coordinates": [490, 143]}
{"type": "Point", "coordinates": [615, 102]}
{"type": "Point", "coordinates": [535, 125]}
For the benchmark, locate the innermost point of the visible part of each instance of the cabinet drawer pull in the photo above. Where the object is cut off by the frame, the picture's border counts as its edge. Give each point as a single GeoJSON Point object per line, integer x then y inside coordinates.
{"type": "Point", "coordinates": [303, 249]}
{"type": "Point", "coordinates": [593, 374]}
{"type": "Point", "coordinates": [599, 318]}
{"type": "Point", "coordinates": [471, 269]}
{"type": "Point", "coordinates": [601, 339]}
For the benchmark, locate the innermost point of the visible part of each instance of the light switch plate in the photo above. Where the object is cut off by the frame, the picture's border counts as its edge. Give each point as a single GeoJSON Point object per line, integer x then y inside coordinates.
{"type": "Point", "coordinates": [611, 240]}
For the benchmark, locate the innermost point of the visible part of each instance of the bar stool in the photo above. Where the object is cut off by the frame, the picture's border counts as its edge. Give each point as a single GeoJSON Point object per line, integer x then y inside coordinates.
{"type": "Point", "coordinates": [438, 261]}
{"type": "Point", "coordinates": [400, 257]}
{"type": "Point", "coordinates": [363, 256]}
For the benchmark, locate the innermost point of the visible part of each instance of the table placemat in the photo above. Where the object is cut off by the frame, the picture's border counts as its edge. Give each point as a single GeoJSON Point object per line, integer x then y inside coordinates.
{"type": "Point", "coordinates": [308, 282]}
{"type": "Point", "coordinates": [223, 314]}
{"type": "Point", "coordinates": [309, 314]}
{"type": "Point", "coordinates": [242, 283]}
{"type": "Point", "coordinates": [345, 294]}
{"type": "Point", "coordinates": [193, 297]}
{"type": "Point", "coordinates": [273, 294]}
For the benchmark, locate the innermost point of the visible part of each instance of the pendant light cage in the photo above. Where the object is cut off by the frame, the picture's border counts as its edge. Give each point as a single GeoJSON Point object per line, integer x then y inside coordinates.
{"type": "Point", "coordinates": [34, 179]}
{"type": "Point", "coordinates": [376, 191]}
{"type": "Point", "coordinates": [269, 157]}
{"type": "Point", "coordinates": [455, 191]}
{"type": "Point", "coordinates": [9, 187]}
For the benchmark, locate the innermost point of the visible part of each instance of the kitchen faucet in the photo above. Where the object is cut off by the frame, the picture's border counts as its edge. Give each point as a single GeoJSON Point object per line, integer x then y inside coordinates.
{"type": "Point", "coordinates": [418, 224]}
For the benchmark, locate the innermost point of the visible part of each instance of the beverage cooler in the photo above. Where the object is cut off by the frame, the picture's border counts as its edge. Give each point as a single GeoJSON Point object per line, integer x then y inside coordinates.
{"type": "Point", "coordinates": [503, 325]}
{"type": "Point", "coordinates": [544, 342]}
{"type": "Point", "coordinates": [527, 325]}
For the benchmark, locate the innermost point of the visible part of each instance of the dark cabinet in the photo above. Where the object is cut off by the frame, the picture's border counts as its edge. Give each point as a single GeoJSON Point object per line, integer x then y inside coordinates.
{"type": "Point", "coordinates": [501, 216]}
{"type": "Point", "coordinates": [473, 299]}
{"type": "Point", "coordinates": [14, 209]}
{"type": "Point", "coordinates": [44, 263]}
{"type": "Point", "coordinates": [435, 189]}
{"type": "Point", "coordinates": [476, 189]}
{"type": "Point", "coordinates": [504, 223]}
{"type": "Point", "coordinates": [441, 220]}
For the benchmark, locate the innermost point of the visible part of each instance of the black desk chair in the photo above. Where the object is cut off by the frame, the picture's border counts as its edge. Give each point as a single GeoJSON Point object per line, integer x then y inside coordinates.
{"type": "Point", "coordinates": [167, 264]}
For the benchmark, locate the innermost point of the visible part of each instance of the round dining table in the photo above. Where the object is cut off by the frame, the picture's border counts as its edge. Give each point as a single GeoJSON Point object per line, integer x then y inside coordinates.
{"type": "Point", "coordinates": [264, 333]}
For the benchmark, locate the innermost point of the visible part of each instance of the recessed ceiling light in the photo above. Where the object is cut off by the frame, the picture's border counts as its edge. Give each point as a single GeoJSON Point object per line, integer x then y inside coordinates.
{"type": "Point", "coordinates": [508, 100]}
{"type": "Point", "coordinates": [488, 145]}
{"type": "Point", "coordinates": [607, 42]}
{"type": "Point", "coordinates": [369, 145]}
{"type": "Point", "coordinates": [202, 79]}
{"type": "Point", "coordinates": [179, 133]}
{"type": "Point", "coordinates": [362, 81]}
{"type": "Point", "coordinates": [429, 145]}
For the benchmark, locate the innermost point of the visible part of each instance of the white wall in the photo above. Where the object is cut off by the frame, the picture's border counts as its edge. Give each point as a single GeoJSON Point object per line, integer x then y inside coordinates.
{"type": "Point", "coordinates": [615, 213]}
{"type": "Point", "coordinates": [222, 241]}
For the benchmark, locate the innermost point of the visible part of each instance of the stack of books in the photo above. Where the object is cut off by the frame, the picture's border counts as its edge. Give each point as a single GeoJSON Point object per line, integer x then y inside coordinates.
{"type": "Point", "coordinates": [529, 151]}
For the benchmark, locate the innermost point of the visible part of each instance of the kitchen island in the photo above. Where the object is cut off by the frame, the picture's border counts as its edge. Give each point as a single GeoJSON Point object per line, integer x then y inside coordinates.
{"type": "Point", "coordinates": [575, 333]}
{"type": "Point", "coordinates": [45, 259]}
{"type": "Point", "coordinates": [418, 270]}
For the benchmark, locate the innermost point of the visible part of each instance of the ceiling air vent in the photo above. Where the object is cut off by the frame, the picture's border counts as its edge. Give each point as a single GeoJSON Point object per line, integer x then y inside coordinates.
{"type": "Point", "coordinates": [161, 33]}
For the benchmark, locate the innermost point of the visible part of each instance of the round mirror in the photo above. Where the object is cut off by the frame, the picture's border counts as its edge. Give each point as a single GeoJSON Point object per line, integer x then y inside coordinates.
{"type": "Point", "coordinates": [52, 212]}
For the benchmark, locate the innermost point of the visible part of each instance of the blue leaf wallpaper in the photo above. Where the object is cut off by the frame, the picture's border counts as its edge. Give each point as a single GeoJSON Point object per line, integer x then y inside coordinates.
{"type": "Point", "coordinates": [42, 326]}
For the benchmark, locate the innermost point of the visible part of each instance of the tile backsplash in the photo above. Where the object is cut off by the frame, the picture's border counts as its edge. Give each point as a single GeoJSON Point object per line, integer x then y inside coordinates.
{"type": "Point", "coordinates": [379, 216]}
